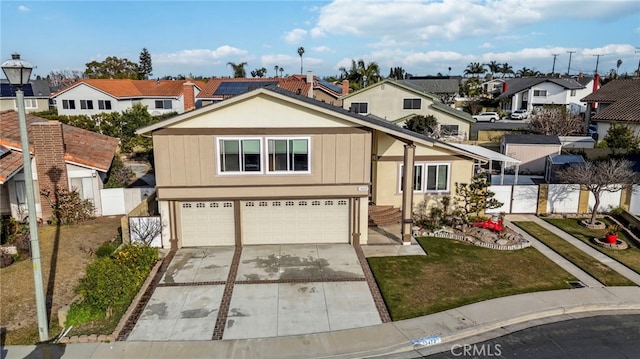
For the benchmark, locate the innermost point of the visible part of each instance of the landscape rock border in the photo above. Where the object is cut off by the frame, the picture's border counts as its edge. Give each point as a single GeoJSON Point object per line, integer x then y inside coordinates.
{"type": "Point", "coordinates": [442, 233]}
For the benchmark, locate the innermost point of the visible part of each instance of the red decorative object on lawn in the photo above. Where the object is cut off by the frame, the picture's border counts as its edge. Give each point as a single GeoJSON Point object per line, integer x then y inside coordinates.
{"type": "Point", "coordinates": [490, 224]}
{"type": "Point", "coordinates": [611, 238]}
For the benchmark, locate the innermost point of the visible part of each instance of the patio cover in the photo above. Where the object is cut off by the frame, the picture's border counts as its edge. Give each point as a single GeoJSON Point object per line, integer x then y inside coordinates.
{"type": "Point", "coordinates": [491, 156]}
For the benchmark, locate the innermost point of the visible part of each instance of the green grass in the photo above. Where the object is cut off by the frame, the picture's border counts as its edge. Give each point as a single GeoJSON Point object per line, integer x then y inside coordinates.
{"type": "Point", "coordinates": [456, 273]}
{"type": "Point", "coordinates": [587, 263]}
{"type": "Point", "coordinates": [629, 257]}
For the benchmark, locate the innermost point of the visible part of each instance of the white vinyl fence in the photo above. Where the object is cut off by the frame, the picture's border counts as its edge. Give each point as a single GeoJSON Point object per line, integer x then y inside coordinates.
{"type": "Point", "coordinates": [515, 199]}
{"type": "Point", "coordinates": [635, 200]}
{"type": "Point", "coordinates": [117, 201]}
{"type": "Point", "coordinates": [563, 198]}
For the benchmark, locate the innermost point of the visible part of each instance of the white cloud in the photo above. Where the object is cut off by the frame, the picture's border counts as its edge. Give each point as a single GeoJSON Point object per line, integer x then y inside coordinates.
{"type": "Point", "coordinates": [295, 36]}
{"type": "Point", "coordinates": [321, 49]}
{"type": "Point", "coordinates": [486, 45]}
{"type": "Point", "coordinates": [23, 8]}
{"type": "Point", "coordinates": [198, 56]}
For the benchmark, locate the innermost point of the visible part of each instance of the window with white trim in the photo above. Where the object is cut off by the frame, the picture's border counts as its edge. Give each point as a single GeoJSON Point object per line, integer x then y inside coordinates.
{"type": "Point", "coordinates": [449, 130]}
{"type": "Point", "coordinates": [417, 177]}
{"type": "Point", "coordinates": [428, 177]}
{"type": "Point", "coordinates": [104, 104]}
{"type": "Point", "coordinates": [163, 104]}
{"type": "Point", "coordinates": [288, 154]}
{"type": "Point", "coordinates": [29, 103]}
{"type": "Point", "coordinates": [86, 104]}
{"type": "Point", "coordinates": [540, 93]}
{"type": "Point", "coordinates": [84, 186]}
{"type": "Point", "coordinates": [240, 155]}
{"type": "Point", "coordinates": [69, 104]}
{"type": "Point", "coordinates": [411, 104]}
{"type": "Point", "coordinates": [359, 107]}
{"type": "Point", "coordinates": [21, 192]}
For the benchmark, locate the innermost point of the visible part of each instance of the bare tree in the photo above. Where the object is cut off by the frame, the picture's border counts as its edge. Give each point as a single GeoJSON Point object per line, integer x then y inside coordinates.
{"type": "Point", "coordinates": [557, 122]}
{"type": "Point", "coordinates": [612, 175]}
{"type": "Point", "coordinates": [144, 229]}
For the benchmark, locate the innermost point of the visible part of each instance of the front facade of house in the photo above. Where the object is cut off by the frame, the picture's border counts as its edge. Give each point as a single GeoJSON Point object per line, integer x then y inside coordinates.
{"type": "Point", "coordinates": [397, 103]}
{"type": "Point", "coordinates": [62, 157]}
{"type": "Point", "coordinates": [272, 167]}
{"type": "Point", "coordinates": [531, 93]}
{"type": "Point", "coordinates": [93, 96]}
{"type": "Point", "coordinates": [36, 96]}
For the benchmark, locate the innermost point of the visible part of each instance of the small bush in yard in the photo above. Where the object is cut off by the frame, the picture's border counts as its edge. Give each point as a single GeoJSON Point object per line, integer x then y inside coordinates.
{"type": "Point", "coordinates": [111, 283]}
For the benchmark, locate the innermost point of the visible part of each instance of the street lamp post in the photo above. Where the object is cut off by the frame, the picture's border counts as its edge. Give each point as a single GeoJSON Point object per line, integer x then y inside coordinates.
{"type": "Point", "coordinates": [18, 72]}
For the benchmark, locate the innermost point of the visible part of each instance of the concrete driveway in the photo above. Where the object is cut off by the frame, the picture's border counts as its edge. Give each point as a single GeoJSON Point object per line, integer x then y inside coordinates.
{"type": "Point", "coordinates": [261, 291]}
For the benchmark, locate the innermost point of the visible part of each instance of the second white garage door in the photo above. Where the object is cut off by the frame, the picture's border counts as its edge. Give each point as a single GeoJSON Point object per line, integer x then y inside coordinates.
{"type": "Point", "coordinates": [207, 224]}
{"type": "Point", "coordinates": [295, 221]}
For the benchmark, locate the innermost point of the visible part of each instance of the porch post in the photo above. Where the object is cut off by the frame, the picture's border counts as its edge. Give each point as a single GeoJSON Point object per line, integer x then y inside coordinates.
{"type": "Point", "coordinates": [407, 193]}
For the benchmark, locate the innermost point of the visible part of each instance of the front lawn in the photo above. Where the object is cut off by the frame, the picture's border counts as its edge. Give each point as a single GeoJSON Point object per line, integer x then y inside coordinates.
{"type": "Point", "coordinates": [629, 257]}
{"type": "Point", "coordinates": [456, 273]}
{"type": "Point", "coordinates": [587, 263]}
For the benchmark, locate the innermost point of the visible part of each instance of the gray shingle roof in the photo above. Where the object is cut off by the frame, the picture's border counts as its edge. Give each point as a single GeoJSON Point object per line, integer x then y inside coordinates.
{"type": "Point", "coordinates": [519, 84]}
{"type": "Point", "coordinates": [532, 139]}
{"type": "Point", "coordinates": [623, 97]}
{"type": "Point", "coordinates": [433, 86]}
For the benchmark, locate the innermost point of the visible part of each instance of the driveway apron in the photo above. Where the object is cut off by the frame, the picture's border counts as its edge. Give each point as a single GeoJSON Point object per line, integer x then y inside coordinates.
{"type": "Point", "coordinates": [214, 293]}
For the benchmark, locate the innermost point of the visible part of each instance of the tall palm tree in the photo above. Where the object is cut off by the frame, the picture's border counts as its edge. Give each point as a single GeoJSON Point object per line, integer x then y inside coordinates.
{"type": "Point", "coordinates": [618, 64]}
{"type": "Point", "coordinates": [475, 68]}
{"type": "Point", "coordinates": [526, 72]}
{"type": "Point", "coordinates": [238, 69]}
{"type": "Point", "coordinates": [494, 67]}
{"type": "Point", "coordinates": [300, 53]}
{"type": "Point", "coordinates": [506, 69]}
{"type": "Point", "coordinates": [281, 71]}
{"type": "Point", "coordinates": [276, 68]}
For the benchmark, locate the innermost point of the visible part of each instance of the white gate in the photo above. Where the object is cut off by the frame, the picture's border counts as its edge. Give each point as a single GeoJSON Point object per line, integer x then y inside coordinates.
{"type": "Point", "coordinates": [525, 199]}
{"type": "Point", "coordinates": [502, 194]}
{"type": "Point", "coordinates": [563, 198]}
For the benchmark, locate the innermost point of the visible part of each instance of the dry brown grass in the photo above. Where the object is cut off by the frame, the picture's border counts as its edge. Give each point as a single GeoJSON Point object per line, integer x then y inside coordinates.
{"type": "Point", "coordinates": [70, 249]}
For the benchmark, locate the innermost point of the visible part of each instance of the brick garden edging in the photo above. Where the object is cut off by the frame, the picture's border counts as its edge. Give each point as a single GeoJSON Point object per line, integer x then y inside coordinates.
{"type": "Point", "coordinates": [444, 234]}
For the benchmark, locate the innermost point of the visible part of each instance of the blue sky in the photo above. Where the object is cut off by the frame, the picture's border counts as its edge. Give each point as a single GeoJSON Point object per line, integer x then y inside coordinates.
{"type": "Point", "coordinates": [424, 37]}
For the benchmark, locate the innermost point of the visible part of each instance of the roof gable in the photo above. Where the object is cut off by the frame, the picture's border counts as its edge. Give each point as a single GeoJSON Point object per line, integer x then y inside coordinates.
{"type": "Point", "coordinates": [396, 84]}
{"type": "Point", "coordinates": [125, 88]}
{"type": "Point", "coordinates": [520, 84]}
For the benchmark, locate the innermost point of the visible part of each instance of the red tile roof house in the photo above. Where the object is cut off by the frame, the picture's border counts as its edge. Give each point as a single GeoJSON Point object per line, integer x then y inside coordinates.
{"type": "Point", "coordinates": [93, 96]}
{"type": "Point", "coordinates": [218, 89]}
{"type": "Point", "coordinates": [62, 156]}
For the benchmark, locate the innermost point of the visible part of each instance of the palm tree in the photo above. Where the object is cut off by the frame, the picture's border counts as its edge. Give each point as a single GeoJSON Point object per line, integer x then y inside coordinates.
{"type": "Point", "coordinates": [494, 67]}
{"type": "Point", "coordinates": [300, 53]}
{"type": "Point", "coordinates": [526, 72]}
{"type": "Point", "coordinates": [360, 74]}
{"type": "Point", "coordinates": [281, 71]}
{"type": "Point", "coordinates": [506, 69]}
{"type": "Point", "coordinates": [475, 68]}
{"type": "Point", "coordinates": [618, 64]}
{"type": "Point", "coordinates": [276, 68]}
{"type": "Point", "coordinates": [238, 69]}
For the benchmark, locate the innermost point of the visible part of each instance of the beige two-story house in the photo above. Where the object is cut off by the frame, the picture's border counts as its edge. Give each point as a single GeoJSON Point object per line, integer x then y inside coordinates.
{"type": "Point", "coordinates": [273, 167]}
{"type": "Point", "coordinates": [397, 102]}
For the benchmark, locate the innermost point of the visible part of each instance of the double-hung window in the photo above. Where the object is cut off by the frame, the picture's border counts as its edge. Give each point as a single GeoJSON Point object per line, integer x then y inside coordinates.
{"type": "Point", "coordinates": [104, 104]}
{"type": "Point", "coordinates": [69, 104]}
{"type": "Point", "coordinates": [86, 104]}
{"type": "Point", "coordinates": [411, 104]}
{"type": "Point", "coordinates": [428, 177]}
{"type": "Point", "coordinates": [163, 104]}
{"type": "Point", "coordinates": [540, 93]}
{"type": "Point", "coordinates": [29, 103]}
{"type": "Point", "coordinates": [288, 154]}
{"type": "Point", "coordinates": [240, 155]}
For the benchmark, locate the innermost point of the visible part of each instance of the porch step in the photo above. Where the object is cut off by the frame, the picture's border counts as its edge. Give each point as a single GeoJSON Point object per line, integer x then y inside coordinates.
{"type": "Point", "coordinates": [384, 215]}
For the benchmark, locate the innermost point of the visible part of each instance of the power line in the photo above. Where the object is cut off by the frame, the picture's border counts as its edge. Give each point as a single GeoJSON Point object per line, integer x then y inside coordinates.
{"type": "Point", "coordinates": [569, 67]}
{"type": "Point", "coordinates": [553, 69]}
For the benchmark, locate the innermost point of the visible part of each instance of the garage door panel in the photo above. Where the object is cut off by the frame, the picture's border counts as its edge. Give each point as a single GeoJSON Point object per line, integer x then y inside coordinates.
{"type": "Point", "coordinates": [295, 221]}
{"type": "Point", "coordinates": [207, 224]}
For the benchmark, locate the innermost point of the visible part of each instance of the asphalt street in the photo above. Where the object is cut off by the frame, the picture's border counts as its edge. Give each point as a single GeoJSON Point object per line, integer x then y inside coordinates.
{"type": "Point", "coordinates": [610, 336]}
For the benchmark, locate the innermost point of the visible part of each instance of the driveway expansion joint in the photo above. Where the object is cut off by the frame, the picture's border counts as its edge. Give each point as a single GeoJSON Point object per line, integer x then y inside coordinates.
{"type": "Point", "coordinates": [223, 311]}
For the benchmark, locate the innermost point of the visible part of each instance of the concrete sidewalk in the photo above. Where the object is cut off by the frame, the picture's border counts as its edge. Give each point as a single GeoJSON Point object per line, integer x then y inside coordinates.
{"type": "Point", "coordinates": [497, 317]}
{"type": "Point", "coordinates": [602, 258]}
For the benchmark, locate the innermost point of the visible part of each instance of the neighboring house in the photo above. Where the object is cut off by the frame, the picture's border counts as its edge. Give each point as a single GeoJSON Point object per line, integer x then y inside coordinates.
{"type": "Point", "coordinates": [617, 102]}
{"type": "Point", "coordinates": [494, 86]}
{"type": "Point", "coordinates": [270, 166]}
{"type": "Point", "coordinates": [93, 96]}
{"type": "Point", "coordinates": [36, 96]}
{"type": "Point", "coordinates": [529, 93]}
{"type": "Point", "coordinates": [557, 162]}
{"type": "Point", "coordinates": [532, 150]}
{"type": "Point", "coordinates": [62, 156]}
{"type": "Point", "coordinates": [440, 86]}
{"type": "Point", "coordinates": [218, 89]}
{"type": "Point", "coordinates": [396, 102]}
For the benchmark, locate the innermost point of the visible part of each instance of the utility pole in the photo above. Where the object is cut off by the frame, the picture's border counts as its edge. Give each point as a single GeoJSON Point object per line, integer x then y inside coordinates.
{"type": "Point", "coordinates": [569, 67]}
{"type": "Point", "coordinates": [638, 72]}
{"type": "Point", "coordinates": [553, 69]}
{"type": "Point", "coordinates": [597, 61]}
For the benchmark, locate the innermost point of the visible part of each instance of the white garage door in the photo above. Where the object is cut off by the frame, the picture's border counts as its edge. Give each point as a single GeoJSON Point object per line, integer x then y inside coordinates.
{"type": "Point", "coordinates": [207, 224]}
{"type": "Point", "coordinates": [295, 221]}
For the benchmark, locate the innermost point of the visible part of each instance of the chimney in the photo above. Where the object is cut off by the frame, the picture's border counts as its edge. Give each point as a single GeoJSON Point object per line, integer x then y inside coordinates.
{"type": "Point", "coordinates": [48, 146]}
{"type": "Point", "coordinates": [596, 85]}
{"type": "Point", "coordinates": [345, 87]}
{"type": "Point", "coordinates": [189, 96]}
{"type": "Point", "coordinates": [505, 86]}
{"type": "Point", "coordinates": [310, 82]}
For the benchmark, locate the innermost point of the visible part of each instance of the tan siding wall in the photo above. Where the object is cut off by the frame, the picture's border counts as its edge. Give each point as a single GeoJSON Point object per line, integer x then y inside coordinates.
{"type": "Point", "coordinates": [191, 160]}
{"type": "Point", "coordinates": [533, 157]}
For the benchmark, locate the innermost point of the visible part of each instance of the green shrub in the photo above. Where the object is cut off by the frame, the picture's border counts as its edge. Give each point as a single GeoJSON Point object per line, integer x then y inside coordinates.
{"type": "Point", "coordinates": [111, 283]}
{"type": "Point", "coordinates": [81, 313]}
{"type": "Point", "coordinates": [106, 249]}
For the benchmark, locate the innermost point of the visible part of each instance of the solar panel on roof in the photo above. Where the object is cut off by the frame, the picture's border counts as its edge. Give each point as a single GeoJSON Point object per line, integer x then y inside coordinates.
{"type": "Point", "coordinates": [8, 90]}
{"type": "Point", "coordinates": [236, 88]}
{"type": "Point", "coordinates": [330, 86]}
